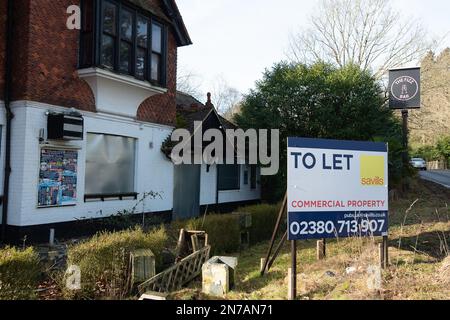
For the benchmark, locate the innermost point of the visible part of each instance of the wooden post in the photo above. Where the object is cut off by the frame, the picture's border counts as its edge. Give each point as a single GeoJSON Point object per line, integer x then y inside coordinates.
{"type": "Point", "coordinates": [275, 231]}
{"type": "Point", "coordinates": [320, 249]}
{"type": "Point", "coordinates": [405, 154]}
{"type": "Point", "coordinates": [277, 251]}
{"type": "Point", "coordinates": [293, 272]}
{"type": "Point", "coordinates": [263, 264]}
{"type": "Point", "coordinates": [381, 254]}
{"type": "Point", "coordinates": [386, 252]}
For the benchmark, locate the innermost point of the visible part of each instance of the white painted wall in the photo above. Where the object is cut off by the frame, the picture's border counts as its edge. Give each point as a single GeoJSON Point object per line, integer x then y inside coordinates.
{"type": "Point", "coordinates": [2, 149]}
{"type": "Point", "coordinates": [208, 188]}
{"type": "Point", "coordinates": [154, 171]}
{"type": "Point", "coordinates": [208, 182]}
{"type": "Point", "coordinates": [118, 94]}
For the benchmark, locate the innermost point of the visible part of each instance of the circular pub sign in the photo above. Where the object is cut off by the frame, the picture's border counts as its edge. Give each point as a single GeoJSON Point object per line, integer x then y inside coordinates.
{"type": "Point", "coordinates": [404, 87]}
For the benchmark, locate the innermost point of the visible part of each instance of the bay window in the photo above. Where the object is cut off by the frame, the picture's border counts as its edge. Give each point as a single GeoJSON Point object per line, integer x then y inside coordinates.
{"type": "Point", "coordinates": [123, 38]}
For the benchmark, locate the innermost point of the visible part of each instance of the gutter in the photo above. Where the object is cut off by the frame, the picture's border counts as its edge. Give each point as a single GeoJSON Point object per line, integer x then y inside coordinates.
{"type": "Point", "coordinates": [9, 116]}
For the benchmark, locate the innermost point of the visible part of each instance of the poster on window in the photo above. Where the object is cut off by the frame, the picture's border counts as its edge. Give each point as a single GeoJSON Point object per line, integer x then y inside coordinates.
{"type": "Point", "coordinates": [58, 178]}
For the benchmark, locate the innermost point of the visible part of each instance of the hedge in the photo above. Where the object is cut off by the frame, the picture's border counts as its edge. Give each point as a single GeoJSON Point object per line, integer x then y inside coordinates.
{"type": "Point", "coordinates": [103, 260]}
{"type": "Point", "coordinates": [222, 229]}
{"type": "Point", "coordinates": [264, 217]}
{"type": "Point", "coordinates": [20, 271]}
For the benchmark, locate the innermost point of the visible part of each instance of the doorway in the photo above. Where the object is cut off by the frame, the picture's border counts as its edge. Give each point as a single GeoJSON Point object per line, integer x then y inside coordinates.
{"type": "Point", "coordinates": [186, 197]}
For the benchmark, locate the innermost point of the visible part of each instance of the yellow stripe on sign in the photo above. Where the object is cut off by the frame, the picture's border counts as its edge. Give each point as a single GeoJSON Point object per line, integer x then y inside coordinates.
{"type": "Point", "coordinates": [372, 170]}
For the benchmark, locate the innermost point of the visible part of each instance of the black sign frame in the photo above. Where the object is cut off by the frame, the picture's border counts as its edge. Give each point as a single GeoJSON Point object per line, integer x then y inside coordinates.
{"type": "Point", "coordinates": [404, 88]}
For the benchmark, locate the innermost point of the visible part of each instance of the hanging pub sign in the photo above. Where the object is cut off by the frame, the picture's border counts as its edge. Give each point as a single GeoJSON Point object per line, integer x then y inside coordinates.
{"type": "Point", "coordinates": [404, 88]}
{"type": "Point", "coordinates": [58, 177]}
{"type": "Point", "coordinates": [336, 189]}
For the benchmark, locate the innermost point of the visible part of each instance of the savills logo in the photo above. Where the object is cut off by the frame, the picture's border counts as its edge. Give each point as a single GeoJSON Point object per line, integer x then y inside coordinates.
{"type": "Point", "coordinates": [372, 170]}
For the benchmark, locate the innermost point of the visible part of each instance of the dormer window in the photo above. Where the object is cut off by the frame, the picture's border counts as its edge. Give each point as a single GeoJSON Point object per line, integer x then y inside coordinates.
{"type": "Point", "coordinates": [125, 39]}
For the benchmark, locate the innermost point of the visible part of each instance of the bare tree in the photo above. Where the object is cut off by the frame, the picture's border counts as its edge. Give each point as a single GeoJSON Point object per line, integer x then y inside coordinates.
{"type": "Point", "coordinates": [190, 83]}
{"type": "Point", "coordinates": [368, 33]}
{"type": "Point", "coordinates": [224, 96]}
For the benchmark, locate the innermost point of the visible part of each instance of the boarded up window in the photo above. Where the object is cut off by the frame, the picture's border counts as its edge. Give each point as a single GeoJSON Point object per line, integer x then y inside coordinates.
{"type": "Point", "coordinates": [110, 165]}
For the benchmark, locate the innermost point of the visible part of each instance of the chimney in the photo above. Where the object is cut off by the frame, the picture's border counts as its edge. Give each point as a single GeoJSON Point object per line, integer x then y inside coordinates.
{"type": "Point", "coordinates": [208, 103]}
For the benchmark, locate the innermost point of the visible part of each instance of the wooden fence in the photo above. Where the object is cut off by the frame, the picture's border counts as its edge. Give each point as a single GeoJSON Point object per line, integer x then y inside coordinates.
{"type": "Point", "coordinates": [178, 275]}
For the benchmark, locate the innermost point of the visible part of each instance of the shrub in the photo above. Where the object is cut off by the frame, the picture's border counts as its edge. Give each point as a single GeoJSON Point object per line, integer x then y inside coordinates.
{"type": "Point", "coordinates": [103, 260]}
{"type": "Point", "coordinates": [19, 273]}
{"type": "Point", "coordinates": [223, 231]}
{"type": "Point", "coordinates": [264, 217]}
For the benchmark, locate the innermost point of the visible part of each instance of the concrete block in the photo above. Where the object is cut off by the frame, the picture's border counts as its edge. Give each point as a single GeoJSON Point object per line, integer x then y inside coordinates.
{"type": "Point", "coordinates": [157, 296]}
{"type": "Point", "coordinates": [218, 275]}
{"type": "Point", "coordinates": [143, 265]}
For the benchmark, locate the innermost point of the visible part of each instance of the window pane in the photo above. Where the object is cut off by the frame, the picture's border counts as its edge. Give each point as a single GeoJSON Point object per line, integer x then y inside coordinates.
{"type": "Point", "coordinates": [142, 32]}
{"type": "Point", "coordinates": [88, 15]}
{"type": "Point", "coordinates": [126, 25]}
{"type": "Point", "coordinates": [140, 62]}
{"type": "Point", "coordinates": [110, 164]}
{"type": "Point", "coordinates": [87, 53]}
{"type": "Point", "coordinates": [107, 55]}
{"type": "Point", "coordinates": [125, 57]}
{"type": "Point", "coordinates": [155, 67]}
{"type": "Point", "coordinates": [156, 38]}
{"type": "Point", "coordinates": [109, 18]}
{"type": "Point", "coordinates": [229, 177]}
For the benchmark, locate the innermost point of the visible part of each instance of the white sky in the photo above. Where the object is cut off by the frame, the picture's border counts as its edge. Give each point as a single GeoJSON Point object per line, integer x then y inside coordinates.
{"type": "Point", "coordinates": [238, 39]}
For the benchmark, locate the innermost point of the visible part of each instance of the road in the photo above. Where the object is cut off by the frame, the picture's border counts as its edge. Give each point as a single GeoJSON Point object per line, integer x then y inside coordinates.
{"type": "Point", "coordinates": [441, 177]}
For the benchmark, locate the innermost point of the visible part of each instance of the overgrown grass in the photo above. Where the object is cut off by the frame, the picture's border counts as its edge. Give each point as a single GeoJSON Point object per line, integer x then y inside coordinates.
{"type": "Point", "coordinates": [20, 271]}
{"type": "Point", "coordinates": [264, 217]}
{"type": "Point", "coordinates": [419, 266]}
{"type": "Point", "coordinates": [103, 261]}
{"type": "Point", "coordinates": [223, 231]}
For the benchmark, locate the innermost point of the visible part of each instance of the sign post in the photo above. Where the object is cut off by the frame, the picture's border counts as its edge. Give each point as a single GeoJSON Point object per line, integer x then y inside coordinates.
{"type": "Point", "coordinates": [293, 275]}
{"type": "Point", "coordinates": [336, 189]}
{"type": "Point", "coordinates": [404, 94]}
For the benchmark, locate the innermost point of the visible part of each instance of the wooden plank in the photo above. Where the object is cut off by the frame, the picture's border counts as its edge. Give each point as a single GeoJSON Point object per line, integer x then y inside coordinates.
{"type": "Point", "coordinates": [275, 232]}
{"type": "Point", "coordinates": [195, 244]}
{"type": "Point", "coordinates": [188, 269]}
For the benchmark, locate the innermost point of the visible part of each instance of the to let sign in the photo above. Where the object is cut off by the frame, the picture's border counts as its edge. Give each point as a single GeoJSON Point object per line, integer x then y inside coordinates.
{"type": "Point", "coordinates": [337, 189]}
{"type": "Point", "coordinates": [404, 88]}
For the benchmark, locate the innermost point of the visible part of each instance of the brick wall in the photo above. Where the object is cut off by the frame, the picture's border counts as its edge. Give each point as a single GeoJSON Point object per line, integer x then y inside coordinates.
{"type": "Point", "coordinates": [46, 57]}
{"type": "Point", "coordinates": [162, 108]}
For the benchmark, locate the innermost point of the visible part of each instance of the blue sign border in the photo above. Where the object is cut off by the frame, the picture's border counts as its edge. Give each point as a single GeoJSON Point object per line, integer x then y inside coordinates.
{"type": "Point", "coordinates": [337, 144]}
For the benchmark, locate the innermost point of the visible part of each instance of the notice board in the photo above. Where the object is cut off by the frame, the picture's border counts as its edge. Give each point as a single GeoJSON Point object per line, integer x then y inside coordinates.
{"type": "Point", "coordinates": [337, 189]}
{"type": "Point", "coordinates": [58, 177]}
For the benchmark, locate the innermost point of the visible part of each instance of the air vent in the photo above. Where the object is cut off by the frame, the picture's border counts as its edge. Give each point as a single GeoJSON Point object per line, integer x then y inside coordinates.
{"type": "Point", "coordinates": [64, 127]}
